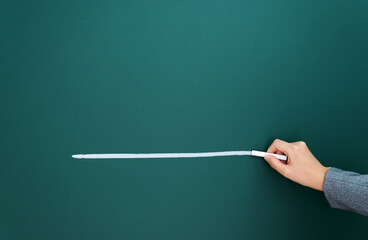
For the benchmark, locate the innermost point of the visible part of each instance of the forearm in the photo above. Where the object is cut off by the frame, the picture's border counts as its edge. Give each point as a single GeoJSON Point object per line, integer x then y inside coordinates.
{"type": "Point", "coordinates": [346, 190]}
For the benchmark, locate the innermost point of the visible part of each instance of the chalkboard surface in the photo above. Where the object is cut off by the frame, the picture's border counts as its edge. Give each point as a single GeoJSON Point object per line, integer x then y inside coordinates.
{"type": "Point", "coordinates": [177, 76]}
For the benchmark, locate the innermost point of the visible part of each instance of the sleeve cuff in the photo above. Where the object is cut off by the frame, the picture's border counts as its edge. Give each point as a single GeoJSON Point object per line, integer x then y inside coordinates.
{"type": "Point", "coordinates": [329, 185]}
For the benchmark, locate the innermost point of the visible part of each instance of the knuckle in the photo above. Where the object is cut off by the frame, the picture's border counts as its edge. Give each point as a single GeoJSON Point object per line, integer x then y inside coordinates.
{"type": "Point", "coordinates": [302, 143]}
{"type": "Point", "coordinates": [295, 148]}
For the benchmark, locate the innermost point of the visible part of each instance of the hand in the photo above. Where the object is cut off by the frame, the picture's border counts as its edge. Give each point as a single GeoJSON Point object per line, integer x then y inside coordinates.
{"type": "Point", "coordinates": [302, 167]}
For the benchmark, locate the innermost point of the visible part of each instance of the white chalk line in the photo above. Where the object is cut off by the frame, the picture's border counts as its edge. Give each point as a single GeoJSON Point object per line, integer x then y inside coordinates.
{"type": "Point", "coordinates": [160, 155]}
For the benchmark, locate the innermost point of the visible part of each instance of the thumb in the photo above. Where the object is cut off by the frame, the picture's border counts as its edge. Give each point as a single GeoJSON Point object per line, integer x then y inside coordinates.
{"type": "Point", "coordinates": [276, 164]}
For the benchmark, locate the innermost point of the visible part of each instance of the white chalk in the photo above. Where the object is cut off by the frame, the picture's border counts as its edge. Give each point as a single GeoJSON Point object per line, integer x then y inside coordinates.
{"type": "Point", "coordinates": [262, 154]}
{"type": "Point", "coordinates": [176, 155]}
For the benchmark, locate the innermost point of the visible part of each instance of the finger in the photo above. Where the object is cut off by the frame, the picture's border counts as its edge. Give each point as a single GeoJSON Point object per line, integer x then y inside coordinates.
{"type": "Point", "coordinates": [276, 164]}
{"type": "Point", "coordinates": [279, 145]}
{"type": "Point", "coordinates": [281, 153]}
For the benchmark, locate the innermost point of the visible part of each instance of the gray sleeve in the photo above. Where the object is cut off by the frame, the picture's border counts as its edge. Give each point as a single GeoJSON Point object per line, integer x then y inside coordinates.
{"type": "Point", "coordinates": [346, 190]}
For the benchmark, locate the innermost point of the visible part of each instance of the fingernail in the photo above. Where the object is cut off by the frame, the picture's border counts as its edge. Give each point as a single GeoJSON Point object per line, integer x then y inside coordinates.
{"type": "Point", "coordinates": [267, 157]}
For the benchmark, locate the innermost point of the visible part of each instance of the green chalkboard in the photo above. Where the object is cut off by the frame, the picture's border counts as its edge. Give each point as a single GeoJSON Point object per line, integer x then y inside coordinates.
{"type": "Point", "coordinates": [177, 76]}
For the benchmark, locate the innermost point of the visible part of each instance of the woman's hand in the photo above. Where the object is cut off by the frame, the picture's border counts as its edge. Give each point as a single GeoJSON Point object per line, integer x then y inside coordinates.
{"type": "Point", "coordinates": [302, 167]}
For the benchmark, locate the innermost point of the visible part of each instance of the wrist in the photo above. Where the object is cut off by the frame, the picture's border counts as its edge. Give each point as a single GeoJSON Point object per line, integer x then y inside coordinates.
{"type": "Point", "coordinates": [321, 177]}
